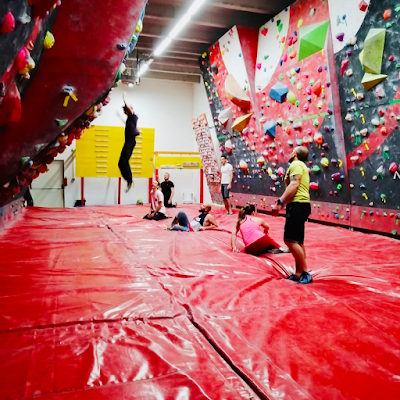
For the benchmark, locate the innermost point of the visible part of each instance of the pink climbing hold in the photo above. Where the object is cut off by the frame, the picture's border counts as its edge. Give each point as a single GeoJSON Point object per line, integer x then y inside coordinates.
{"type": "Point", "coordinates": [340, 36]}
{"type": "Point", "coordinates": [343, 66]}
{"type": "Point", "coordinates": [393, 167]}
{"type": "Point", "coordinates": [264, 32]}
{"type": "Point", "coordinates": [8, 23]}
{"type": "Point", "coordinates": [259, 65]}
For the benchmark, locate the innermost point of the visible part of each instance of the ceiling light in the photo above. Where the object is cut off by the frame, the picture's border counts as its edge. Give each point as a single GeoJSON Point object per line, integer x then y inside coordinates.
{"type": "Point", "coordinates": [195, 6]}
{"type": "Point", "coordinates": [144, 67]}
{"type": "Point", "coordinates": [180, 25]}
{"type": "Point", "coordinates": [162, 46]}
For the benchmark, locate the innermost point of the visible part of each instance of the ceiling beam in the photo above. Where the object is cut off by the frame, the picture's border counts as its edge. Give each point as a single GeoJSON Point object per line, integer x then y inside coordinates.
{"type": "Point", "coordinates": [164, 76]}
{"type": "Point", "coordinates": [265, 7]}
{"type": "Point", "coordinates": [175, 69]}
{"type": "Point", "coordinates": [191, 34]}
{"type": "Point", "coordinates": [165, 14]}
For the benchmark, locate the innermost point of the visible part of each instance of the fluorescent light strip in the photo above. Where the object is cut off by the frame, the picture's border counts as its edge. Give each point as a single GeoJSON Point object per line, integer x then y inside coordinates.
{"type": "Point", "coordinates": [144, 67]}
{"type": "Point", "coordinates": [179, 26]}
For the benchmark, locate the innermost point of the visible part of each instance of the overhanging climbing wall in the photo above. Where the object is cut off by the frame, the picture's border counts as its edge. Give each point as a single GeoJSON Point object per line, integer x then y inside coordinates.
{"type": "Point", "coordinates": [58, 63]}
{"type": "Point", "coordinates": [273, 89]}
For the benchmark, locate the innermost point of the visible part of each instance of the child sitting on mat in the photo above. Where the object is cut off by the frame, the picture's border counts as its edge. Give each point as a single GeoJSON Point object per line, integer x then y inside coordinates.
{"type": "Point", "coordinates": [254, 232]}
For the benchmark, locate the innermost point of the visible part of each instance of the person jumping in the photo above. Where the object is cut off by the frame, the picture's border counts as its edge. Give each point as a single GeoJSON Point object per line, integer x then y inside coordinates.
{"type": "Point", "coordinates": [131, 132]}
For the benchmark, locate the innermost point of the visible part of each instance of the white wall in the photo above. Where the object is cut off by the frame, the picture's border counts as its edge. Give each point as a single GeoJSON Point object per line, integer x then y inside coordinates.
{"type": "Point", "coordinates": [166, 106]}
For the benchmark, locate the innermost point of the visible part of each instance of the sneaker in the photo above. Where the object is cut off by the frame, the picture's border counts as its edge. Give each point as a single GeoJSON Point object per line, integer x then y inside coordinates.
{"type": "Point", "coordinates": [293, 277]}
{"type": "Point", "coordinates": [305, 278]}
{"type": "Point", "coordinates": [128, 187]}
{"type": "Point", "coordinates": [275, 251]}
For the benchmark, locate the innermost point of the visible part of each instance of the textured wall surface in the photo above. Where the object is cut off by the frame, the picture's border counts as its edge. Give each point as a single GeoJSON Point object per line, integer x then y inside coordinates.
{"type": "Point", "coordinates": [312, 49]}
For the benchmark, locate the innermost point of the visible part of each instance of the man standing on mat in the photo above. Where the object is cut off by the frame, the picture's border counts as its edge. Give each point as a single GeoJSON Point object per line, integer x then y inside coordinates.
{"type": "Point", "coordinates": [157, 209]}
{"type": "Point", "coordinates": [226, 183]}
{"type": "Point", "coordinates": [298, 208]}
{"type": "Point", "coordinates": [131, 132]}
{"type": "Point", "coordinates": [167, 188]}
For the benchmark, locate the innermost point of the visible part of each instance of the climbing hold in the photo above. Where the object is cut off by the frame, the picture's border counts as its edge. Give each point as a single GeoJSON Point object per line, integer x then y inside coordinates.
{"type": "Point", "coordinates": [241, 122]}
{"type": "Point", "coordinates": [362, 5]}
{"type": "Point", "coordinates": [343, 66]}
{"type": "Point", "coordinates": [260, 161]}
{"type": "Point", "coordinates": [316, 89]}
{"type": "Point", "coordinates": [340, 36]}
{"type": "Point", "coordinates": [122, 46]}
{"type": "Point", "coordinates": [312, 39]}
{"type": "Point", "coordinates": [393, 167]}
{"type": "Point", "coordinates": [314, 186]}
{"type": "Point", "coordinates": [48, 41]}
{"type": "Point", "coordinates": [270, 129]}
{"type": "Point", "coordinates": [291, 97]}
{"type": "Point", "coordinates": [8, 23]}
{"type": "Point", "coordinates": [235, 93]}
{"type": "Point", "coordinates": [335, 176]}
{"type": "Point", "coordinates": [349, 72]}
{"type": "Point", "coordinates": [278, 92]}
{"type": "Point", "coordinates": [387, 14]}
{"type": "Point", "coordinates": [61, 122]}
{"type": "Point", "coordinates": [339, 186]}
{"type": "Point", "coordinates": [375, 121]}
{"type": "Point", "coordinates": [243, 165]}
{"type": "Point", "coordinates": [228, 146]}
{"type": "Point", "coordinates": [348, 117]}
{"type": "Point", "coordinates": [372, 54]}
{"type": "Point", "coordinates": [371, 80]}
{"type": "Point", "coordinates": [139, 26]}
{"type": "Point", "coordinates": [325, 162]}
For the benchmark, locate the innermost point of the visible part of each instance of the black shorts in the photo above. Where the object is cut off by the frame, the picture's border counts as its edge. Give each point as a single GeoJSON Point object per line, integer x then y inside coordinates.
{"type": "Point", "coordinates": [225, 191]}
{"type": "Point", "coordinates": [296, 216]}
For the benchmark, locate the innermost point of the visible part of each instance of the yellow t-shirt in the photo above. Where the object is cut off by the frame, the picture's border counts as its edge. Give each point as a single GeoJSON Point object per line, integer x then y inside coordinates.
{"type": "Point", "coordinates": [303, 192]}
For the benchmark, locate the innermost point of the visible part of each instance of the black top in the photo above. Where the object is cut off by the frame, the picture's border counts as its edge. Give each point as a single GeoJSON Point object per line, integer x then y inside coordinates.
{"type": "Point", "coordinates": [131, 126]}
{"type": "Point", "coordinates": [166, 189]}
{"type": "Point", "coordinates": [201, 218]}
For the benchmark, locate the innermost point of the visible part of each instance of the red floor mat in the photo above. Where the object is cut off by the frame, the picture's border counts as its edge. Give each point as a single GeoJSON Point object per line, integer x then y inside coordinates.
{"type": "Point", "coordinates": [97, 303]}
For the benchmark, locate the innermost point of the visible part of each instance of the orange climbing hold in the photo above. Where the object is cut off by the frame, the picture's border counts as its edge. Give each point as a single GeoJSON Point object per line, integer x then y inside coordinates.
{"type": "Point", "coordinates": [387, 14]}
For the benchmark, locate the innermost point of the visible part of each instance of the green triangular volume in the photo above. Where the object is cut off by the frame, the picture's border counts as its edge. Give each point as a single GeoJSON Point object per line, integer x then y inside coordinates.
{"type": "Point", "coordinates": [312, 39]}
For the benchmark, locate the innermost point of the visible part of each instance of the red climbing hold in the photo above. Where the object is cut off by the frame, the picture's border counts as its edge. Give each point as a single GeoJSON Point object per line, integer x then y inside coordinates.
{"type": "Point", "coordinates": [8, 23]}
{"type": "Point", "coordinates": [363, 5]}
{"type": "Point", "coordinates": [343, 66]}
{"type": "Point", "coordinates": [387, 14]}
{"type": "Point", "coordinates": [317, 88]}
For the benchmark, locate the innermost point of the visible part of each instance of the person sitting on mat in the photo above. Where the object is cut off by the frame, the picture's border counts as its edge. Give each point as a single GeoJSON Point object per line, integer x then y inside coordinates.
{"type": "Point", "coordinates": [131, 132]}
{"type": "Point", "coordinates": [157, 209]}
{"type": "Point", "coordinates": [204, 221]}
{"type": "Point", "coordinates": [254, 232]}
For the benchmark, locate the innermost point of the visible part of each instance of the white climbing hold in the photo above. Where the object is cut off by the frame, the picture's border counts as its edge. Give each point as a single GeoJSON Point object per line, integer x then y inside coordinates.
{"type": "Point", "coordinates": [348, 117]}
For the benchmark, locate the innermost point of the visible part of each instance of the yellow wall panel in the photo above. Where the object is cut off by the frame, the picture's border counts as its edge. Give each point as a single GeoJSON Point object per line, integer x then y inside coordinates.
{"type": "Point", "coordinates": [99, 149]}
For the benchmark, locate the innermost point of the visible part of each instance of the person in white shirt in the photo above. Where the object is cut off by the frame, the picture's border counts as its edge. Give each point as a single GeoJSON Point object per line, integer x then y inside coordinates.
{"type": "Point", "coordinates": [226, 183]}
{"type": "Point", "coordinates": [157, 208]}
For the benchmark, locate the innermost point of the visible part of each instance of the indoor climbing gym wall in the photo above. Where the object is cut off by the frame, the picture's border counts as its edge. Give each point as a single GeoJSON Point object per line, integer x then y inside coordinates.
{"type": "Point", "coordinates": [300, 80]}
{"type": "Point", "coordinates": [57, 67]}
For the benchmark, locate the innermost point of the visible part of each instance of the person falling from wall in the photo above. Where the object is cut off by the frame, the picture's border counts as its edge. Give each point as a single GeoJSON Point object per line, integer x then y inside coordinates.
{"type": "Point", "coordinates": [131, 132]}
{"type": "Point", "coordinates": [226, 183]}
{"type": "Point", "coordinates": [167, 188]}
{"type": "Point", "coordinates": [298, 208]}
{"type": "Point", "coordinates": [157, 208]}
{"type": "Point", "coordinates": [254, 232]}
{"type": "Point", "coordinates": [204, 221]}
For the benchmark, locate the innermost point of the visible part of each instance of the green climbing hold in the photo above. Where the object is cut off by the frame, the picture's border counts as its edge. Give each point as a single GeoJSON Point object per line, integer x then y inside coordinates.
{"type": "Point", "coordinates": [281, 76]}
{"type": "Point", "coordinates": [280, 27]}
{"type": "Point", "coordinates": [24, 160]}
{"type": "Point", "coordinates": [398, 65]}
{"type": "Point", "coordinates": [39, 147]}
{"type": "Point", "coordinates": [315, 168]}
{"type": "Point", "coordinates": [339, 187]}
{"type": "Point", "coordinates": [293, 80]}
{"type": "Point", "coordinates": [312, 82]}
{"type": "Point", "coordinates": [266, 57]}
{"type": "Point", "coordinates": [61, 122]}
{"type": "Point", "coordinates": [297, 103]}
{"type": "Point", "coordinates": [394, 232]}
{"type": "Point", "coordinates": [290, 49]}
{"type": "Point", "coordinates": [397, 9]}
{"type": "Point", "coordinates": [388, 25]}
{"type": "Point", "coordinates": [134, 39]}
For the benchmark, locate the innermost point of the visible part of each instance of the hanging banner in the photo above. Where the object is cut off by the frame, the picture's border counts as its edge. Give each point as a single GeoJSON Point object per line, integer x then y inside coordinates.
{"type": "Point", "coordinates": [208, 157]}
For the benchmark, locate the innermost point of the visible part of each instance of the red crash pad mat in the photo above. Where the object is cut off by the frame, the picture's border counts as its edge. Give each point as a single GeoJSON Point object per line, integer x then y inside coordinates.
{"type": "Point", "coordinates": [98, 303]}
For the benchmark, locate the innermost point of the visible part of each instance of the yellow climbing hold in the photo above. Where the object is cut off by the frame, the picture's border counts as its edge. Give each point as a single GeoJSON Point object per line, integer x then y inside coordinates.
{"type": "Point", "coordinates": [139, 26]}
{"type": "Point", "coordinates": [48, 41]}
{"type": "Point", "coordinates": [300, 23]}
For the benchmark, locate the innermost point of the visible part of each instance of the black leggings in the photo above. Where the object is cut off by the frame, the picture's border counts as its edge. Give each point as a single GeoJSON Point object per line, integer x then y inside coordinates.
{"type": "Point", "coordinates": [126, 154]}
